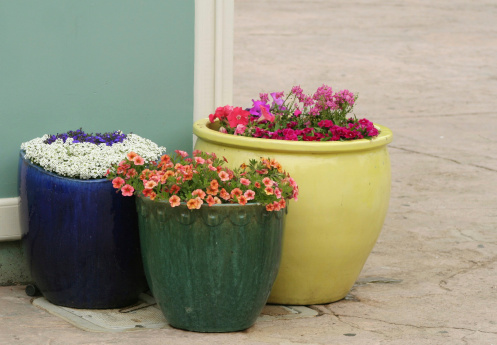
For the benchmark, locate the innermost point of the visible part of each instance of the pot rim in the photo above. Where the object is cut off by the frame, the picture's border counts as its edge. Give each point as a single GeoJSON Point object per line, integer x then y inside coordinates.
{"type": "Point", "coordinates": [55, 175]}
{"type": "Point", "coordinates": [203, 129]}
{"type": "Point", "coordinates": [250, 204]}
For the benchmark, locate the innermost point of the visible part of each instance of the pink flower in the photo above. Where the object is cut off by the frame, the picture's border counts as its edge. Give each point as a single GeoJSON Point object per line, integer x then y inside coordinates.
{"type": "Point", "coordinates": [249, 194]}
{"type": "Point", "coordinates": [267, 115]}
{"type": "Point", "coordinates": [199, 160]}
{"type": "Point", "coordinates": [240, 129]}
{"type": "Point", "coordinates": [245, 181]}
{"type": "Point", "coordinates": [267, 181]}
{"type": "Point", "coordinates": [138, 160]}
{"type": "Point", "coordinates": [224, 176]}
{"type": "Point", "coordinates": [238, 116]}
{"type": "Point", "coordinates": [223, 130]}
{"type": "Point", "coordinates": [181, 153]}
{"type": "Point", "coordinates": [127, 190]}
{"type": "Point", "coordinates": [118, 182]}
{"type": "Point", "coordinates": [269, 190]}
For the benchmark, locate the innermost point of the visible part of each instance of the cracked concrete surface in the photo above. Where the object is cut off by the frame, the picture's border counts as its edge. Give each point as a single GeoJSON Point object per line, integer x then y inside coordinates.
{"type": "Point", "coordinates": [428, 71]}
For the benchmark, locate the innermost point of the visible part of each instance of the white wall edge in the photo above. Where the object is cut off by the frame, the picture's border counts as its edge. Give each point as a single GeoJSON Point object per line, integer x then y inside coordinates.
{"type": "Point", "coordinates": [10, 229]}
{"type": "Point", "coordinates": [213, 64]}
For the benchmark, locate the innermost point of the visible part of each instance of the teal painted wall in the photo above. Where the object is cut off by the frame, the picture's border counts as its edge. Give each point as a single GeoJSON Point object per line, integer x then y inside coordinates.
{"type": "Point", "coordinates": [101, 65]}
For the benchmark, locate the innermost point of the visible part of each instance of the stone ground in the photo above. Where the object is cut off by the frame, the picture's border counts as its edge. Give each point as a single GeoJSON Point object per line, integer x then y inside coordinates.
{"type": "Point", "coordinates": [428, 71]}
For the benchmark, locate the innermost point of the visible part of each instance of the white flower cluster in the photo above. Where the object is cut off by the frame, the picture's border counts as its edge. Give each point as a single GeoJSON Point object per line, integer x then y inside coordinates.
{"type": "Point", "coordinates": [87, 160]}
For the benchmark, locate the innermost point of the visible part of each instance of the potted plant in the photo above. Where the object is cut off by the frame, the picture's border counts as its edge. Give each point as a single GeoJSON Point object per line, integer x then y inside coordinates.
{"type": "Point", "coordinates": [210, 236]}
{"type": "Point", "coordinates": [80, 237]}
{"type": "Point", "coordinates": [343, 168]}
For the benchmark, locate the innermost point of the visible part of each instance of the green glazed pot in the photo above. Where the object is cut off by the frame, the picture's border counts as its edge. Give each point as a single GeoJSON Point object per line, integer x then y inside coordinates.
{"type": "Point", "coordinates": [212, 269]}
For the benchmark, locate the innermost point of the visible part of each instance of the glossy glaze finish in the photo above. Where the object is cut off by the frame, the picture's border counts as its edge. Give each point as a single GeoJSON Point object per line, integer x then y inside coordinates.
{"type": "Point", "coordinates": [331, 230]}
{"type": "Point", "coordinates": [212, 269]}
{"type": "Point", "coordinates": [81, 240]}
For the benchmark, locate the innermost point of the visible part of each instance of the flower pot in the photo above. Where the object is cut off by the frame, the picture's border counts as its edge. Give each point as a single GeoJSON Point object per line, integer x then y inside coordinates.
{"type": "Point", "coordinates": [80, 238]}
{"type": "Point", "coordinates": [212, 269]}
{"type": "Point", "coordinates": [331, 230]}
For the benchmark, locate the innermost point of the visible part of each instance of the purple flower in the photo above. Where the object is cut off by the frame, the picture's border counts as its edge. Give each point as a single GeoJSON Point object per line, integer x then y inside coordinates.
{"type": "Point", "coordinates": [256, 109]}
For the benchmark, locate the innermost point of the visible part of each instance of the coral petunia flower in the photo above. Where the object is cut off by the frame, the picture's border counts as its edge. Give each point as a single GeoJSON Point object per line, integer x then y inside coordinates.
{"type": "Point", "coordinates": [191, 204]}
{"type": "Point", "coordinates": [127, 190]}
{"type": "Point", "coordinates": [245, 181]}
{"type": "Point", "coordinates": [269, 207]}
{"type": "Point", "coordinates": [132, 155]}
{"type": "Point", "coordinates": [236, 192]}
{"type": "Point", "coordinates": [174, 200]}
{"type": "Point", "coordinates": [118, 182]}
{"type": "Point", "coordinates": [138, 160]}
{"type": "Point", "coordinates": [242, 200]}
{"type": "Point", "coordinates": [149, 184]}
{"type": "Point", "coordinates": [267, 181]}
{"type": "Point", "coordinates": [249, 194]}
{"type": "Point", "coordinates": [276, 206]}
{"type": "Point", "coordinates": [210, 200]}
{"type": "Point", "coordinates": [224, 194]}
{"type": "Point", "coordinates": [224, 176]}
{"type": "Point", "coordinates": [269, 190]}
{"type": "Point", "coordinates": [199, 192]}
{"type": "Point", "coordinates": [181, 153]}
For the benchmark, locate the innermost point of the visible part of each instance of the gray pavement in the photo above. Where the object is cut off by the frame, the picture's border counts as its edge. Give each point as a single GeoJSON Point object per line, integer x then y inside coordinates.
{"type": "Point", "coordinates": [428, 71]}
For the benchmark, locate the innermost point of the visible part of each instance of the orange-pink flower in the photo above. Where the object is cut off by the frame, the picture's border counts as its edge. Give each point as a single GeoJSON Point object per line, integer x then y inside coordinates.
{"type": "Point", "coordinates": [210, 200]}
{"type": "Point", "coordinates": [269, 190]}
{"type": "Point", "coordinates": [149, 184]}
{"type": "Point", "coordinates": [199, 192]}
{"type": "Point", "coordinates": [127, 190]}
{"type": "Point", "coordinates": [138, 160]}
{"type": "Point", "coordinates": [242, 200]}
{"type": "Point", "coordinates": [267, 181]}
{"type": "Point", "coordinates": [194, 203]}
{"type": "Point", "coordinates": [245, 181]}
{"type": "Point", "coordinates": [181, 153]}
{"type": "Point", "coordinates": [223, 175]}
{"type": "Point", "coordinates": [174, 200]}
{"type": "Point", "coordinates": [249, 194]}
{"type": "Point", "coordinates": [118, 182]}
{"type": "Point", "coordinates": [132, 155]}
{"type": "Point", "coordinates": [199, 160]}
{"type": "Point", "coordinates": [269, 207]}
{"type": "Point", "coordinates": [224, 194]}
{"type": "Point", "coordinates": [236, 192]}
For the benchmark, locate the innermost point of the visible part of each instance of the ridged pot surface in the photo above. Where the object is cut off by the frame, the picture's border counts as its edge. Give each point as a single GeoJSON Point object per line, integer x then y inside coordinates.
{"type": "Point", "coordinates": [212, 269]}
{"type": "Point", "coordinates": [332, 228]}
{"type": "Point", "coordinates": [81, 240]}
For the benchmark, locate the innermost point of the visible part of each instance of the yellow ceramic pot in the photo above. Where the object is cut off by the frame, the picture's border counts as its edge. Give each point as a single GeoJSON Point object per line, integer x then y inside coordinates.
{"type": "Point", "coordinates": [332, 228]}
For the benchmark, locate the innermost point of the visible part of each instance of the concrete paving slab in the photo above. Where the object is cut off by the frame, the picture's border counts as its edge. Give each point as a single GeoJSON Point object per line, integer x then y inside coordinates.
{"type": "Point", "coordinates": [425, 69]}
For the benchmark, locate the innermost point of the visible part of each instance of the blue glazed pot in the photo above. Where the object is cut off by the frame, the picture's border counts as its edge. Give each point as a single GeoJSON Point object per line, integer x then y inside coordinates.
{"type": "Point", "coordinates": [80, 238]}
